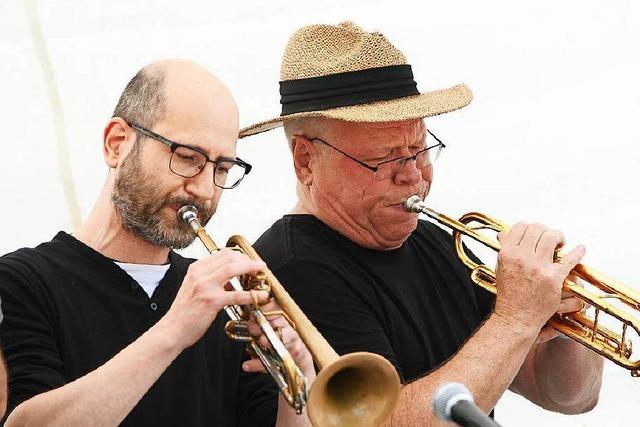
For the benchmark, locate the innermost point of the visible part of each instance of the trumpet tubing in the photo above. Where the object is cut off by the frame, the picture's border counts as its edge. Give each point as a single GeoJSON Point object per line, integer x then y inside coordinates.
{"type": "Point", "coordinates": [588, 331]}
{"type": "Point", "coordinates": [356, 389]}
{"type": "Point", "coordinates": [276, 360]}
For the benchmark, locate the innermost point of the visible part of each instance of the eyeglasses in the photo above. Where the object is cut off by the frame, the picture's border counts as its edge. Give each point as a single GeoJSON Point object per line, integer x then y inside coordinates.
{"type": "Point", "coordinates": [390, 168]}
{"type": "Point", "coordinates": [188, 162]}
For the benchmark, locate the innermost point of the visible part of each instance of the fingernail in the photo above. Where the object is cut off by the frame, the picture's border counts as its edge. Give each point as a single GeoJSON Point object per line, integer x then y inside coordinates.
{"type": "Point", "coordinates": [245, 366]}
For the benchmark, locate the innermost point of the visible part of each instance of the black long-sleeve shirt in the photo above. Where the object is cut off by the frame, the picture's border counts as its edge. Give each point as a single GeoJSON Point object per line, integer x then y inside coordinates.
{"type": "Point", "coordinates": [68, 310]}
{"type": "Point", "coordinates": [414, 305]}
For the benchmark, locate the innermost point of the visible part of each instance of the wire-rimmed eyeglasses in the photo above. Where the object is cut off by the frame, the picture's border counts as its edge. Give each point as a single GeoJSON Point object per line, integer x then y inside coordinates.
{"type": "Point", "coordinates": [390, 168]}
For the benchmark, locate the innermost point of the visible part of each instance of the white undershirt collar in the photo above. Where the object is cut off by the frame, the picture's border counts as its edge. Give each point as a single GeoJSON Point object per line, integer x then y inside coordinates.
{"type": "Point", "coordinates": [147, 275]}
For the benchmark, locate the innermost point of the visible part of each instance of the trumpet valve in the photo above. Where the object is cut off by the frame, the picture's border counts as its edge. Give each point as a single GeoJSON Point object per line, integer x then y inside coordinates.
{"type": "Point", "coordinates": [238, 330]}
{"type": "Point", "coordinates": [256, 282]}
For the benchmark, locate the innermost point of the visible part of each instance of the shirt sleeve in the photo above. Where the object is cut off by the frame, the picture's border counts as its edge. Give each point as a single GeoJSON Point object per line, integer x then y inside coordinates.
{"type": "Point", "coordinates": [27, 335]}
{"type": "Point", "coordinates": [345, 317]}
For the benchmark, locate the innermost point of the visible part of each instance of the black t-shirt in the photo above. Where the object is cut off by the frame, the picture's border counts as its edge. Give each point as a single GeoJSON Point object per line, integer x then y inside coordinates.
{"type": "Point", "coordinates": [68, 310]}
{"type": "Point", "coordinates": [414, 305]}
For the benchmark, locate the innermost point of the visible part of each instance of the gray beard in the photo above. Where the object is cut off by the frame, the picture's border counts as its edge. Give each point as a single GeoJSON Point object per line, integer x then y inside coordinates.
{"type": "Point", "coordinates": [150, 226]}
{"type": "Point", "coordinates": [139, 213]}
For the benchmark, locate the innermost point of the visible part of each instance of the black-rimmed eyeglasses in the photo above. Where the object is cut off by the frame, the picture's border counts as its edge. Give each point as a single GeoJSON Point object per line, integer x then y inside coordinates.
{"type": "Point", "coordinates": [390, 168]}
{"type": "Point", "coordinates": [188, 162]}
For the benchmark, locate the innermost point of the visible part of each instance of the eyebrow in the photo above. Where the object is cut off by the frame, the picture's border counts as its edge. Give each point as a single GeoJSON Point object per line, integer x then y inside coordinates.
{"type": "Point", "coordinates": [202, 151]}
{"type": "Point", "coordinates": [381, 150]}
{"type": "Point", "coordinates": [194, 147]}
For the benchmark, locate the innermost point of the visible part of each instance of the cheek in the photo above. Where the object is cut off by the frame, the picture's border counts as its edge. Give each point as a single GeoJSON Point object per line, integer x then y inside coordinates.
{"type": "Point", "coordinates": [377, 193]}
{"type": "Point", "coordinates": [427, 174]}
{"type": "Point", "coordinates": [340, 178]}
{"type": "Point", "coordinates": [217, 194]}
{"type": "Point", "coordinates": [167, 185]}
{"type": "Point", "coordinates": [345, 186]}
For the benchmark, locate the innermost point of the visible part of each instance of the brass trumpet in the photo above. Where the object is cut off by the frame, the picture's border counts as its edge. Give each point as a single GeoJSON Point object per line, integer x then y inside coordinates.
{"type": "Point", "coordinates": [356, 389]}
{"type": "Point", "coordinates": [584, 329]}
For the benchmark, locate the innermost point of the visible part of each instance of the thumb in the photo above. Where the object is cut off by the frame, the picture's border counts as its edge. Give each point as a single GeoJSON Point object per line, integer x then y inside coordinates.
{"type": "Point", "coordinates": [253, 365]}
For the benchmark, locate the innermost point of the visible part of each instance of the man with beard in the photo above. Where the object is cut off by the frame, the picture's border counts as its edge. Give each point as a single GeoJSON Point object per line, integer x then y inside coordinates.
{"type": "Point", "coordinates": [109, 325]}
{"type": "Point", "coordinates": [371, 276]}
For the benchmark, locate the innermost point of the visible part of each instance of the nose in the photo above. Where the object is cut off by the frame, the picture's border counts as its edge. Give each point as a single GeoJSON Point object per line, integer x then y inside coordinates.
{"type": "Point", "coordinates": [409, 174]}
{"type": "Point", "coordinates": [201, 186]}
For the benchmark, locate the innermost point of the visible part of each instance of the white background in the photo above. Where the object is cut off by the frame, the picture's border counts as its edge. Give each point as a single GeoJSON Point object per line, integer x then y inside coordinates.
{"type": "Point", "coordinates": [551, 135]}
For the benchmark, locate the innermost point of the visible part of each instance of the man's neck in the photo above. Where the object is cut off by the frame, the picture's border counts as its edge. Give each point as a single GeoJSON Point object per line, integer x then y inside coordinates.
{"type": "Point", "coordinates": [342, 223]}
{"type": "Point", "coordinates": [103, 232]}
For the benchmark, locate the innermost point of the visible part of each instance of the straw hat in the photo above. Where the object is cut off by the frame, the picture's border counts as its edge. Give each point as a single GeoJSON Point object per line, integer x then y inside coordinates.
{"type": "Point", "coordinates": [342, 72]}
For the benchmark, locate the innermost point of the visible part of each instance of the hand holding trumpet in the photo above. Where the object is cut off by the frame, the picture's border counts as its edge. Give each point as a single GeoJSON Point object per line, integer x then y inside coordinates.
{"type": "Point", "coordinates": [535, 260]}
{"type": "Point", "coordinates": [203, 293]}
{"type": "Point", "coordinates": [530, 280]}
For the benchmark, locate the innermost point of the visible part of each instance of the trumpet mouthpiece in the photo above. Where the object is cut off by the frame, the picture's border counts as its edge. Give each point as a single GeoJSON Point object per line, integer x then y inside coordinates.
{"type": "Point", "coordinates": [187, 213]}
{"type": "Point", "coordinates": [412, 204]}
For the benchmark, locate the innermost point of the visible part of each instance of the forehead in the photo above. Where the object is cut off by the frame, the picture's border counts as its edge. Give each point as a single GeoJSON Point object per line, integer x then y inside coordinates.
{"type": "Point", "coordinates": [204, 117]}
{"type": "Point", "coordinates": [385, 135]}
{"type": "Point", "coordinates": [214, 139]}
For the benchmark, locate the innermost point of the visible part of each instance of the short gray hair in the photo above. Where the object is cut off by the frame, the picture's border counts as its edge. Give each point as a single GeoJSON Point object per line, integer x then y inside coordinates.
{"type": "Point", "coordinates": [308, 126]}
{"type": "Point", "coordinates": [143, 100]}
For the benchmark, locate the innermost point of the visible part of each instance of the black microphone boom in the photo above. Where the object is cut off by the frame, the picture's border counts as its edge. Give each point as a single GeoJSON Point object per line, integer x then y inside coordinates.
{"type": "Point", "coordinates": [453, 402]}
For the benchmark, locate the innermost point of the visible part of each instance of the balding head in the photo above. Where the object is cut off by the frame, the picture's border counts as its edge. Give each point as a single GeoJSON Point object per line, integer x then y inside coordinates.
{"type": "Point", "coordinates": [179, 90]}
{"type": "Point", "coordinates": [196, 97]}
{"type": "Point", "coordinates": [143, 100]}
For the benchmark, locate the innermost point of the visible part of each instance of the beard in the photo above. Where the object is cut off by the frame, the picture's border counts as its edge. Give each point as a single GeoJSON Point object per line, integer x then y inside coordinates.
{"type": "Point", "coordinates": [138, 205]}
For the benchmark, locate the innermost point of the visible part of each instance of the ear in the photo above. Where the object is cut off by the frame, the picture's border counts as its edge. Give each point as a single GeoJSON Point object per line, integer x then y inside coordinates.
{"type": "Point", "coordinates": [304, 153]}
{"type": "Point", "coordinates": [118, 139]}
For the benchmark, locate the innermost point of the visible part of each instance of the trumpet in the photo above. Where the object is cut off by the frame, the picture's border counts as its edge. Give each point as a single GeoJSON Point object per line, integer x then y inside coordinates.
{"type": "Point", "coordinates": [356, 389]}
{"type": "Point", "coordinates": [586, 330]}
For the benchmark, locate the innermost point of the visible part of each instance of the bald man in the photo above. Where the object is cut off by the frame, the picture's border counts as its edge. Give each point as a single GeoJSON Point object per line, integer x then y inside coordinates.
{"type": "Point", "coordinates": [108, 325]}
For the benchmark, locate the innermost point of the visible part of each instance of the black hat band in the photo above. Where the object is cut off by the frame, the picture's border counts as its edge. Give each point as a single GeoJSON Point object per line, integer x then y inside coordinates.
{"type": "Point", "coordinates": [350, 88]}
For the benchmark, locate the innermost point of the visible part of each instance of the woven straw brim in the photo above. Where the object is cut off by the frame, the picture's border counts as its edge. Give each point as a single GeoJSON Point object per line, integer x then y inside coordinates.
{"type": "Point", "coordinates": [395, 110]}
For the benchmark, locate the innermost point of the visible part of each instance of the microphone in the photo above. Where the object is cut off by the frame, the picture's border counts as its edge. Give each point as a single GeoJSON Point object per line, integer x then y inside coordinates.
{"type": "Point", "coordinates": [453, 402]}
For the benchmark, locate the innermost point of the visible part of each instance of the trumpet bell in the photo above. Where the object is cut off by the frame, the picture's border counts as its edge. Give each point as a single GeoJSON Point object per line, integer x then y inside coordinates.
{"type": "Point", "coordinates": [353, 391]}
